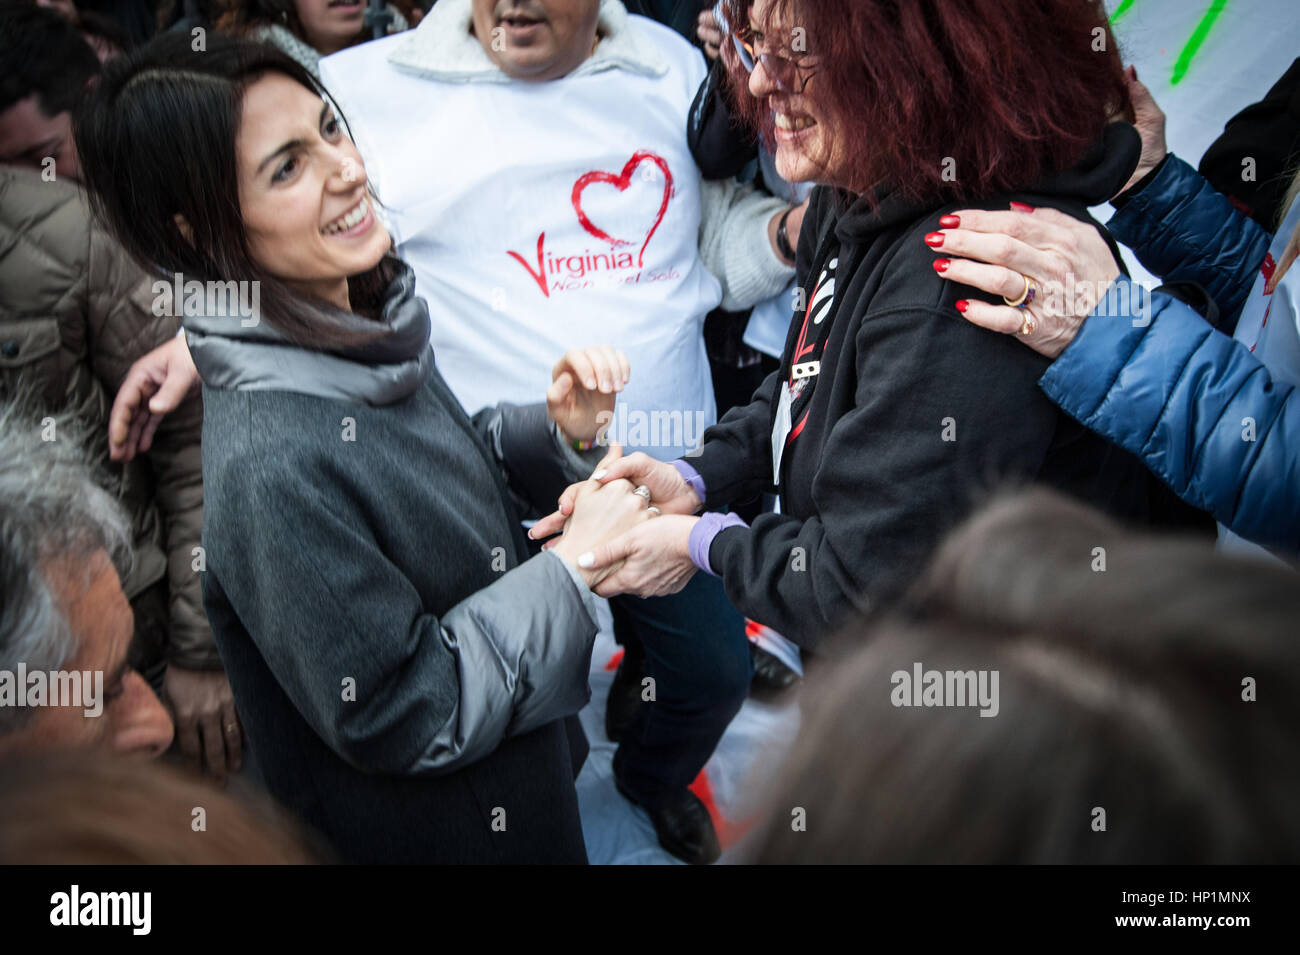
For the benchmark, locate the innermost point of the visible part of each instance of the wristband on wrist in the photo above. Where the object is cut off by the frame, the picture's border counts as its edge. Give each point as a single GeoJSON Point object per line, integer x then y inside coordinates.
{"type": "Point", "coordinates": [567, 441]}
{"type": "Point", "coordinates": [783, 239]}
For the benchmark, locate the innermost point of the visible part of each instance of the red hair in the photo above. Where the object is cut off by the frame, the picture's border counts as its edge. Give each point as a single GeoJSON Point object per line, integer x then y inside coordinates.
{"type": "Point", "coordinates": [1006, 89]}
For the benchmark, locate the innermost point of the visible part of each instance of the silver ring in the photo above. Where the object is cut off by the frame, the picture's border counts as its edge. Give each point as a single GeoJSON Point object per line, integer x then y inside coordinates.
{"type": "Point", "coordinates": [655, 511]}
{"type": "Point", "coordinates": [643, 492]}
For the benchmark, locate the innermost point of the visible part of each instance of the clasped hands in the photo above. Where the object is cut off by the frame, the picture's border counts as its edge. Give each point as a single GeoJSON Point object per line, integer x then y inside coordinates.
{"type": "Point", "coordinates": [626, 528]}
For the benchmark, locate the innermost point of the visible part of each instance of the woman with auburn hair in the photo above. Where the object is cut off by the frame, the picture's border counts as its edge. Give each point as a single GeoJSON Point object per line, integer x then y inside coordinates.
{"type": "Point", "coordinates": [891, 416]}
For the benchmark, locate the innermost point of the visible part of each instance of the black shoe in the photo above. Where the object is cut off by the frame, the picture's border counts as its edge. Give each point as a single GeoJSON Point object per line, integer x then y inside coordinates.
{"type": "Point", "coordinates": [624, 697]}
{"type": "Point", "coordinates": [683, 826]}
{"type": "Point", "coordinates": [772, 678]}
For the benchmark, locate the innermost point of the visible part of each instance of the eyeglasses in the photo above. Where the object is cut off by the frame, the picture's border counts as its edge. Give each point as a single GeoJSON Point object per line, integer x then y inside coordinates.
{"type": "Point", "coordinates": [789, 74]}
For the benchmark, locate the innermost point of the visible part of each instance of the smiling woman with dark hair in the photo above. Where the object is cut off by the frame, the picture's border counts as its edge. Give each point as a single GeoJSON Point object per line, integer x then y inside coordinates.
{"type": "Point", "coordinates": [402, 668]}
{"type": "Point", "coordinates": [890, 416]}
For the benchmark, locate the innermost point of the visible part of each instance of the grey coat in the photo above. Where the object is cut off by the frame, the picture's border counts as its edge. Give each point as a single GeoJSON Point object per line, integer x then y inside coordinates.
{"type": "Point", "coordinates": [402, 666]}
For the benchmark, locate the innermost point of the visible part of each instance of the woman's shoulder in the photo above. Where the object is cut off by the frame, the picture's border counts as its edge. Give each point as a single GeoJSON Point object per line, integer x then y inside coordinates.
{"type": "Point", "coordinates": [249, 433]}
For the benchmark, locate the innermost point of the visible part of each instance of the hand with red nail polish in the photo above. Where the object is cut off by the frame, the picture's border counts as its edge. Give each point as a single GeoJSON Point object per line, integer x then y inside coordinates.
{"type": "Point", "coordinates": [1065, 261]}
{"type": "Point", "coordinates": [934, 240]}
{"type": "Point", "coordinates": [1021, 207]}
{"type": "Point", "coordinates": [950, 222]}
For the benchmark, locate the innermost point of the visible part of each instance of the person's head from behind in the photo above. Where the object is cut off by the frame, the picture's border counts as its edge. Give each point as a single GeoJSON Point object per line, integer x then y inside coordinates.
{"type": "Point", "coordinates": [87, 808]}
{"type": "Point", "coordinates": [941, 98]}
{"type": "Point", "coordinates": [536, 40]}
{"type": "Point", "coordinates": [1123, 726]}
{"type": "Point", "coordinates": [229, 165]}
{"type": "Point", "coordinates": [62, 610]}
{"type": "Point", "coordinates": [45, 66]}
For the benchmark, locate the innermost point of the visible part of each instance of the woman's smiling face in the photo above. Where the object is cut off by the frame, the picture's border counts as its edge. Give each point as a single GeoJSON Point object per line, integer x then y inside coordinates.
{"type": "Point", "coordinates": [805, 142]}
{"type": "Point", "coordinates": [307, 214]}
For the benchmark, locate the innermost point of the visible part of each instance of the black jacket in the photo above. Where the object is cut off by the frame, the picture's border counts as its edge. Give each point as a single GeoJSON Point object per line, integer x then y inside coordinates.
{"type": "Point", "coordinates": [915, 416]}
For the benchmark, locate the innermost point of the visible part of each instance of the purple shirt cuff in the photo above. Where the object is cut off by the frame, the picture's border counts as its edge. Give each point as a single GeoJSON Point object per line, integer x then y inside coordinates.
{"type": "Point", "coordinates": [690, 476]}
{"type": "Point", "coordinates": [702, 534]}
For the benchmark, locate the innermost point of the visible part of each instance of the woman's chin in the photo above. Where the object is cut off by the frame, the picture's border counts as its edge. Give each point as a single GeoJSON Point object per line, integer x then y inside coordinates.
{"type": "Point", "coordinates": [793, 165]}
{"type": "Point", "coordinates": [377, 246]}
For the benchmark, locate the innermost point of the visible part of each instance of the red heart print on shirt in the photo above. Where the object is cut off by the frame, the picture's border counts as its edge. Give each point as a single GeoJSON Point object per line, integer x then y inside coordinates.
{"type": "Point", "coordinates": [620, 182]}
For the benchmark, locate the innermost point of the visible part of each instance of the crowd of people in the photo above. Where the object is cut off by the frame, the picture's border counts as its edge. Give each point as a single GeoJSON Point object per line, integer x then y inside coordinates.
{"type": "Point", "coordinates": [353, 356]}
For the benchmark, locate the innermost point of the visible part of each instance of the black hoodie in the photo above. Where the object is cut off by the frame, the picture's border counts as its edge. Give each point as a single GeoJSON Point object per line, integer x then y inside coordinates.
{"type": "Point", "coordinates": [914, 417]}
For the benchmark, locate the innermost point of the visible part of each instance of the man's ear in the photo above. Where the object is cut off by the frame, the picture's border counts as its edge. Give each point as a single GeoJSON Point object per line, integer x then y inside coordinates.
{"type": "Point", "coordinates": [186, 232]}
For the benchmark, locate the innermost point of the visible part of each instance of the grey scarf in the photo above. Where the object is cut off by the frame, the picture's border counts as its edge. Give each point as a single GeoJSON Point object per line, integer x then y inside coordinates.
{"type": "Point", "coordinates": [231, 356]}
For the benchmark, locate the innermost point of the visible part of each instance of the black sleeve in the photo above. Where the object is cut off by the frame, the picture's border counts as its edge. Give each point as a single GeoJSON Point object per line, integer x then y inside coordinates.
{"type": "Point", "coordinates": [721, 146]}
{"type": "Point", "coordinates": [1268, 134]}
{"type": "Point", "coordinates": [735, 459]}
{"type": "Point", "coordinates": [943, 412]}
{"type": "Point", "coordinates": [536, 466]}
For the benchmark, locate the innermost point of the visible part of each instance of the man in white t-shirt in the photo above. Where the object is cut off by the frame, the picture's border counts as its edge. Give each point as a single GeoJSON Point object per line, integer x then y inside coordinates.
{"type": "Point", "coordinates": [532, 160]}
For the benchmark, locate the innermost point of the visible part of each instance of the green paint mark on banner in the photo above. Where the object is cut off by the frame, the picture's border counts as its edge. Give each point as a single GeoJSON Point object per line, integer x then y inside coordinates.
{"type": "Point", "coordinates": [1194, 44]}
{"type": "Point", "coordinates": [1123, 8]}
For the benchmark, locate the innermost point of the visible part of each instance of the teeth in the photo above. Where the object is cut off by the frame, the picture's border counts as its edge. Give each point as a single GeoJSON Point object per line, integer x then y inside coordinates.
{"type": "Point", "coordinates": [345, 222]}
{"type": "Point", "coordinates": [792, 123]}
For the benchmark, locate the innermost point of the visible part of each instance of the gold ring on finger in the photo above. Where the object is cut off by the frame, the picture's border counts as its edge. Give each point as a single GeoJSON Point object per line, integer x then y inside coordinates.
{"type": "Point", "coordinates": [1026, 296]}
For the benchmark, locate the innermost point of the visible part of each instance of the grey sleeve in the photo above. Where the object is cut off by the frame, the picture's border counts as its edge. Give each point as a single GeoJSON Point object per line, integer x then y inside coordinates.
{"type": "Point", "coordinates": [734, 244]}
{"type": "Point", "coordinates": [388, 685]}
{"type": "Point", "coordinates": [537, 464]}
{"type": "Point", "coordinates": [523, 650]}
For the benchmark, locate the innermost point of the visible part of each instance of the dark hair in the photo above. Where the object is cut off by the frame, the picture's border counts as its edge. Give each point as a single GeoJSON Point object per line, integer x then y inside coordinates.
{"type": "Point", "coordinates": [1121, 687]}
{"type": "Point", "coordinates": [1006, 89]}
{"type": "Point", "coordinates": [107, 29]}
{"type": "Point", "coordinates": [42, 53]}
{"type": "Point", "coordinates": [157, 138]}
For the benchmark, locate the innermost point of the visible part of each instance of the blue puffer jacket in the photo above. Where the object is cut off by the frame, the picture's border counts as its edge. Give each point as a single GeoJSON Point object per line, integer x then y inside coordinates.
{"type": "Point", "coordinates": [1182, 230]}
{"type": "Point", "coordinates": [1199, 409]}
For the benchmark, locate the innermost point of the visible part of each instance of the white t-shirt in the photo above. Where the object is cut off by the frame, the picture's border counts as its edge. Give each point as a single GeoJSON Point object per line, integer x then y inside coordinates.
{"type": "Point", "coordinates": [540, 217]}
